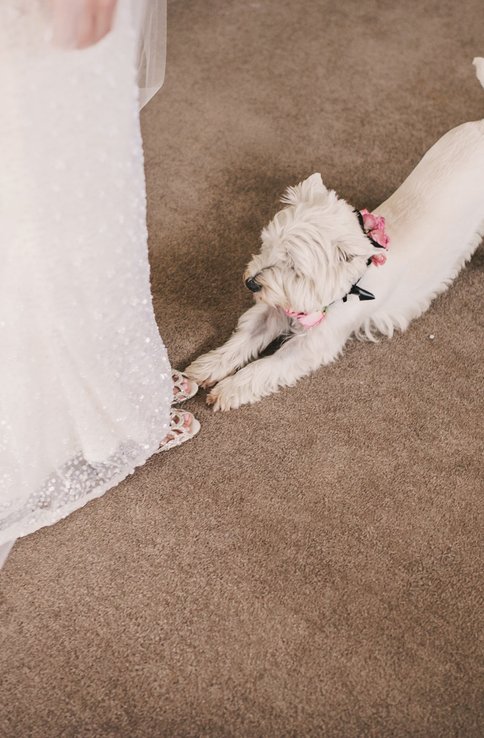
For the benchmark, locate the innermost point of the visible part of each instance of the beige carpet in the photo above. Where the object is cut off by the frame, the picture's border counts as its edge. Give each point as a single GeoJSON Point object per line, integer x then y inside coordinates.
{"type": "Point", "coordinates": [310, 565]}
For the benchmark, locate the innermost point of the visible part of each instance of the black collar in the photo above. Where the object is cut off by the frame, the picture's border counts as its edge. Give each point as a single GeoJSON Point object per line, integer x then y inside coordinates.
{"type": "Point", "coordinates": [356, 289]}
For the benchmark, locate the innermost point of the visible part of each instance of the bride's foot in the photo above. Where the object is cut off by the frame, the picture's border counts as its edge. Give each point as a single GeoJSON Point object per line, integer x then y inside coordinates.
{"type": "Point", "coordinates": [183, 388]}
{"type": "Point", "coordinates": [183, 426]}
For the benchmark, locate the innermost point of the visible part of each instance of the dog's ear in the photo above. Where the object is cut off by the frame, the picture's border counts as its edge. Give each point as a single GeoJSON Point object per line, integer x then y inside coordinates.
{"type": "Point", "coordinates": [310, 190]}
{"type": "Point", "coordinates": [344, 253]}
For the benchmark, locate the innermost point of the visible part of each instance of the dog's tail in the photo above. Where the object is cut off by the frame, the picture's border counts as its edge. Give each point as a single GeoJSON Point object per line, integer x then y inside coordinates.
{"type": "Point", "coordinates": [479, 65]}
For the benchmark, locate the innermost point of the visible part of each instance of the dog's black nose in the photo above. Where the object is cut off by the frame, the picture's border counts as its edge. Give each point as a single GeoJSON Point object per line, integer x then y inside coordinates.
{"type": "Point", "coordinates": [252, 285]}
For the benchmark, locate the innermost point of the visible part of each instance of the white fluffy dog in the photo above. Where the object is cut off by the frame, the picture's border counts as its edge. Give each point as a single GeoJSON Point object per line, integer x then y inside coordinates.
{"type": "Point", "coordinates": [321, 274]}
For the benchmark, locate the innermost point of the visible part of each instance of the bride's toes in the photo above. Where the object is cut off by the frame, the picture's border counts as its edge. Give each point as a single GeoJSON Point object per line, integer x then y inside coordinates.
{"type": "Point", "coordinates": [183, 427]}
{"type": "Point", "coordinates": [183, 388]}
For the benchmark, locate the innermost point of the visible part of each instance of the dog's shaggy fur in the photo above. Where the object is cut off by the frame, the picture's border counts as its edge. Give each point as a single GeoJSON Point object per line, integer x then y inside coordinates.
{"type": "Point", "coordinates": [314, 250]}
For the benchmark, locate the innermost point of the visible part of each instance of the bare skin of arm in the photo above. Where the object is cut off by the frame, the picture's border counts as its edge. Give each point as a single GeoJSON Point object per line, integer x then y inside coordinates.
{"type": "Point", "coordinates": [78, 24]}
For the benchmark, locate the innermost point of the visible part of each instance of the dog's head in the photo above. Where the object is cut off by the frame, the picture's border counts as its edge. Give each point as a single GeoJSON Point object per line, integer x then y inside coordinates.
{"type": "Point", "coordinates": [312, 251]}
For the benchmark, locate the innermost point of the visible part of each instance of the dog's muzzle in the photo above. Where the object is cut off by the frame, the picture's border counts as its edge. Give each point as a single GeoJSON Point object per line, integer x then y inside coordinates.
{"type": "Point", "coordinates": [252, 285]}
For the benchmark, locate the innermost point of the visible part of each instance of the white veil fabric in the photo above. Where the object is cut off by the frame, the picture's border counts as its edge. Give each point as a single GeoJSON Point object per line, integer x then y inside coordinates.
{"type": "Point", "coordinates": [151, 47]}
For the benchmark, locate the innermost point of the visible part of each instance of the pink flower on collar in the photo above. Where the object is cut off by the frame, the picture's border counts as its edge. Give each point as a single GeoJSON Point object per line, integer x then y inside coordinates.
{"type": "Point", "coordinates": [378, 259]}
{"type": "Point", "coordinates": [374, 226]}
{"type": "Point", "coordinates": [371, 221]}
{"type": "Point", "coordinates": [380, 237]}
{"type": "Point", "coordinates": [308, 320]}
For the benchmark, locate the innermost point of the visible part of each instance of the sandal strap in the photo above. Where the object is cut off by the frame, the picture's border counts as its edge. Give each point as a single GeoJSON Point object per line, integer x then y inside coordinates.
{"type": "Point", "coordinates": [178, 430]}
{"type": "Point", "coordinates": [180, 384]}
{"type": "Point", "coordinates": [177, 420]}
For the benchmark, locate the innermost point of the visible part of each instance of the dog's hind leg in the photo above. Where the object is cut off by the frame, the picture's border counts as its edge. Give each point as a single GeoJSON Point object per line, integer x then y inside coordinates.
{"type": "Point", "coordinates": [255, 330]}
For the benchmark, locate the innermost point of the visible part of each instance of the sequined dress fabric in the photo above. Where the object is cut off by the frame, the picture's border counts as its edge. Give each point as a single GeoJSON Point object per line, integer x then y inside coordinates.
{"type": "Point", "coordinates": [85, 384]}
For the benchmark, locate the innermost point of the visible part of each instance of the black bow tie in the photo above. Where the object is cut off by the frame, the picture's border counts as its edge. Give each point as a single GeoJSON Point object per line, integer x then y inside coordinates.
{"type": "Point", "coordinates": [360, 292]}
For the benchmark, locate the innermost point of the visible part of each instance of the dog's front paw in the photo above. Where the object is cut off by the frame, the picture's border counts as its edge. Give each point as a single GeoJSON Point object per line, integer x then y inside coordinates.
{"type": "Point", "coordinates": [230, 393]}
{"type": "Point", "coordinates": [208, 369]}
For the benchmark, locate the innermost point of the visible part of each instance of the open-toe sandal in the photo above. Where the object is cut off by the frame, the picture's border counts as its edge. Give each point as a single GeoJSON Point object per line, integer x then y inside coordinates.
{"type": "Point", "coordinates": [183, 427]}
{"type": "Point", "coordinates": [183, 388]}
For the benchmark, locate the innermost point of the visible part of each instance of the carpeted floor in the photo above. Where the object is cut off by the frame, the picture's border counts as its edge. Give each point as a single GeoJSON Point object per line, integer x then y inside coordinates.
{"type": "Point", "coordinates": [308, 566]}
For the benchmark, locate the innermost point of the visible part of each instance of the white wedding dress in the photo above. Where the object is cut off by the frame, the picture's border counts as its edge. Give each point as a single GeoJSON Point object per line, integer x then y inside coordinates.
{"type": "Point", "coordinates": [85, 386]}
